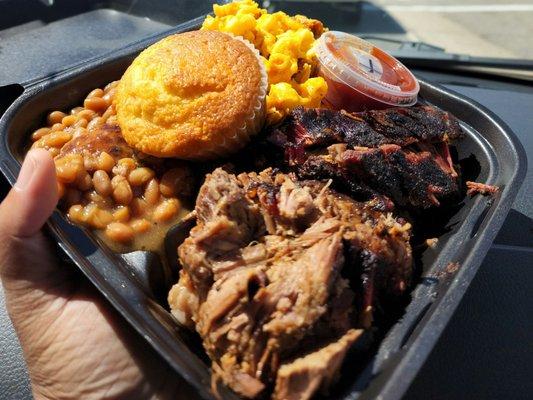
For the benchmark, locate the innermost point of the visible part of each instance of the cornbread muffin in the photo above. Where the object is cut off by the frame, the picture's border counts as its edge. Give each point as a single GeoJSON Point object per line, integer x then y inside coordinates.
{"type": "Point", "coordinates": [196, 95]}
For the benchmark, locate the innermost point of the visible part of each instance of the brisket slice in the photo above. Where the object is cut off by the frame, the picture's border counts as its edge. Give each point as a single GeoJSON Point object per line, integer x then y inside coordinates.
{"type": "Point", "coordinates": [313, 372]}
{"type": "Point", "coordinates": [275, 266]}
{"type": "Point", "coordinates": [313, 127]}
{"type": "Point", "coordinates": [398, 153]}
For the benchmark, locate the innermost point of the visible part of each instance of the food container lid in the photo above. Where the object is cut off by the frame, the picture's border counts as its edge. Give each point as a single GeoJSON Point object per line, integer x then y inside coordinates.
{"type": "Point", "coordinates": [366, 68]}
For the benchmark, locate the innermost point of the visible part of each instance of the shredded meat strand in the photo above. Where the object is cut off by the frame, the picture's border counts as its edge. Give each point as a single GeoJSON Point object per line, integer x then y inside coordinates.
{"type": "Point", "coordinates": [474, 188]}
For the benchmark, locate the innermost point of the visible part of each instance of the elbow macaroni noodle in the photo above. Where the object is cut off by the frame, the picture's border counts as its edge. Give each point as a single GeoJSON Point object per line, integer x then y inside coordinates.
{"type": "Point", "coordinates": [286, 45]}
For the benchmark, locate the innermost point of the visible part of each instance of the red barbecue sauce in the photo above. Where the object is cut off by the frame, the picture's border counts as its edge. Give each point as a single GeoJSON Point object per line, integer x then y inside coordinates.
{"type": "Point", "coordinates": [361, 76]}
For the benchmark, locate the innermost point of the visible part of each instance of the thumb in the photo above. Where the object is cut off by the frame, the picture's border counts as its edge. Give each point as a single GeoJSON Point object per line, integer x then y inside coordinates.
{"type": "Point", "coordinates": [33, 198]}
{"type": "Point", "coordinates": [23, 213]}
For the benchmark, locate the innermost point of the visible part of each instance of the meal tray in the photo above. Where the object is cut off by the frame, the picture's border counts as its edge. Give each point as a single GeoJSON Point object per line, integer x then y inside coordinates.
{"type": "Point", "coordinates": [129, 282]}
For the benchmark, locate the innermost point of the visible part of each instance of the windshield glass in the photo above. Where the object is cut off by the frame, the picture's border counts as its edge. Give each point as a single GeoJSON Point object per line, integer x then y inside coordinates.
{"type": "Point", "coordinates": [480, 28]}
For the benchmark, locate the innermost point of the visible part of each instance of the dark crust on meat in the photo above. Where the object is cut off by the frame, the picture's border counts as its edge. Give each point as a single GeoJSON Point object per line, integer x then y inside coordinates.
{"type": "Point", "coordinates": [320, 168]}
{"type": "Point", "coordinates": [106, 138]}
{"type": "Point", "coordinates": [400, 126]}
{"type": "Point", "coordinates": [399, 154]}
{"type": "Point", "coordinates": [407, 177]}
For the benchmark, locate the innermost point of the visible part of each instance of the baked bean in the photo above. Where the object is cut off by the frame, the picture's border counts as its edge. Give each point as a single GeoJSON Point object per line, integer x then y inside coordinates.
{"type": "Point", "coordinates": [166, 210]}
{"type": "Point", "coordinates": [124, 166]}
{"type": "Point", "coordinates": [108, 113]}
{"type": "Point", "coordinates": [65, 171]}
{"type": "Point", "coordinates": [41, 143]}
{"type": "Point", "coordinates": [39, 133]}
{"type": "Point", "coordinates": [100, 218]}
{"type": "Point", "coordinates": [88, 210]}
{"type": "Point", "coordinates": [84, 181]}
{"type": "Point", "coordinates": [101, 201]}
{"type": "Point", "coordinates": [128, 162]}
{"type": "Point", "coordinates": [56, 139]}
{"type": "Point", "coordinates": [139, 176]}
{"type": "Point", "coordinates": [139, 207]}
{"type": "Point", "coordinates": [95, 93]}
{"type": "Point", "coordinates": [97, 104]}
{"type": "Point", "coordinates": [121, 190]}
{"type": "Point", "coordinates": [151, 193]}
{"type": "Point", "coordinates": [69, 120]}
{"type": "Point", "coordinates": [140, 225]}
{"type": "Point", "coordinates": [95, 123]}
{"type": "Point", "coordinates": [90, 163]}
{"type": "Point", "coordinates": [38, 144]}
{"type": "Point", "coordinates": [54, 151]}
{"type": "Point", "coordinates": [102, 183]}
{"type": "Point", "coordinates": [75, 213]}
{"type": "Point", "coordinates": [81, 123]}
{"type": "Point", "coordinates": [110, 94]}
{"type": "Point", "coordinates": [96, 217]}
{"type": "Point", "coordinates": [58, 127]}
{"type": "Point", "coordinates": [105, 162]}
{"type": "Point", "coordinates": [119, 232]}
{"type": "Point", "coordinates": [176, 181]}
{"type": "Point", "coordinates": [122, 214]}
{"type": "Point", "coordinates": [68, 167]}
{"type": "Point", "coordinates": [55, 117]}
{"type": "Point", "coordinates": [76, 110]}
{"type": "Point", "coordinates": [86, 114]}
{"type": "Point", "coordinates": [110, 86]}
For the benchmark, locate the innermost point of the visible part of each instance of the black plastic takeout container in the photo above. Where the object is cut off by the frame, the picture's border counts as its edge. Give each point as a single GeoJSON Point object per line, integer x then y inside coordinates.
{"type": "Point", "coordinates": [130, 282]}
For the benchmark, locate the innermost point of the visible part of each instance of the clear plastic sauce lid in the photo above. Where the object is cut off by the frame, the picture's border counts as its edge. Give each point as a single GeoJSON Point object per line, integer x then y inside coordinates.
{"type": "Point", "coordinates": [366, 69]}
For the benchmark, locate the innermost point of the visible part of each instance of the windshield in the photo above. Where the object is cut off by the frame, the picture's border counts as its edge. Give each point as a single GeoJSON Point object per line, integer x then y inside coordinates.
{"type": "Point", "coordinates": [451, 35]}
{"type": "Point", "coordinates": [479, 28]}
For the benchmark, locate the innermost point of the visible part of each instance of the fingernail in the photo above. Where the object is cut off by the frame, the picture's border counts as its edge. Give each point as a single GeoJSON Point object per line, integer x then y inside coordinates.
{"type": "Point", "coordinates": [26, 173]}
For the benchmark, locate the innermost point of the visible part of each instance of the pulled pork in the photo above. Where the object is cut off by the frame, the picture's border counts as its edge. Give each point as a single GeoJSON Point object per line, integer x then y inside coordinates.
{"type": "Point", "coordinates": [474, 188]}
{"type": "Point", "coordinates": [280, 277]}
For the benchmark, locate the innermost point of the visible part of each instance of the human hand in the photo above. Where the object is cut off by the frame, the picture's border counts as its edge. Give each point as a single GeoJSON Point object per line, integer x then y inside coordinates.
{"type": "Point", "coordinates": [75, 345]}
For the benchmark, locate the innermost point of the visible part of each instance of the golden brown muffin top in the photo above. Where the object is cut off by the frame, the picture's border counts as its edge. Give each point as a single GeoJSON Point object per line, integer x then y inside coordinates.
{"type": "Point", "coordinates": [187, 95]}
